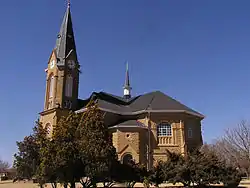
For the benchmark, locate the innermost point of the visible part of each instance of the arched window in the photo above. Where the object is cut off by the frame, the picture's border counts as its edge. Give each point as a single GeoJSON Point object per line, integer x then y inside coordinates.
{"type": "Point", "coordinates": [49, 128]}
{"type": "Point", "coordinates": [164, 129]}
{"type": "Point", "coordinates": [69, 86]}
{"type": "Point", "coordinates": [51, 86]}
{"type": "Point", "coordinates": [127, 158]}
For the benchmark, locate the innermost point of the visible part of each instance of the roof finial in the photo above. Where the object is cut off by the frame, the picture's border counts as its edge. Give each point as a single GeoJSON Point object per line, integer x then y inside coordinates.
{"type": "Point", "coordinates": [127, 84]}
{"type": "Point", "coordinates": [127, 88]}
{"type": "Point", "coordinates": [68, 3]}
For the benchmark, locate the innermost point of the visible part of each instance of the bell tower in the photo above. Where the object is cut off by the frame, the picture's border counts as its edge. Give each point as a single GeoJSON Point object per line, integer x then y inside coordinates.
{"type": "Point", "coordinates": [62, 73]}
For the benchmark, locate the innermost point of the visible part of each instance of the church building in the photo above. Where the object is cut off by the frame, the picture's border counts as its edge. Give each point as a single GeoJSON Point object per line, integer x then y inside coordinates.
{"type": "Point", "coordinates": [143, 127]}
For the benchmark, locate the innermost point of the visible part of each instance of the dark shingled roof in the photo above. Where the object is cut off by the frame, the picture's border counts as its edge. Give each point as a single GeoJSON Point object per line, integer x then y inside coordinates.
{"type": "Point", "coordinates": [153, 101]}
{"type": "Point", "coordinates": [130, 123]}
{"type": "Point", "coordinates": [65, 42]}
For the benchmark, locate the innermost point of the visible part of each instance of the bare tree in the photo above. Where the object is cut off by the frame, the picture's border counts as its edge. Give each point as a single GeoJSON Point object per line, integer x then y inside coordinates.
{"type": "Point", "coordinates": [4, 165]}
{"type": "Point", "coordinates": [234, 147]}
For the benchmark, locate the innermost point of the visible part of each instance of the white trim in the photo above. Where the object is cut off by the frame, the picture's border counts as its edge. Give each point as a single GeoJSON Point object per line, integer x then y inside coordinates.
{"type": "Point", "coordinates": [126, 91]}
{"type": "Point", "coordinates": [81, 110]}
{"type": "Point", "coordinates": [145, 111]}
{"type": "Point", "coordinates": [165, 123]}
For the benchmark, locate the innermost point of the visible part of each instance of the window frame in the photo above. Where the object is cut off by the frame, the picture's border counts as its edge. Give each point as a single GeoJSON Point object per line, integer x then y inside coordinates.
{"type": "Point", "coordinates": [49, 128]}
{"type": "Point", "coordinates": [51, 85]}
{"type": "Point", "coordinates": [164, 126]}
{"type": "Point", "coordinates": [69, 85]}
{"type": "Point", "coordinates": [128, 157]}
{"type": "Point", "coordinates": [190, 130]}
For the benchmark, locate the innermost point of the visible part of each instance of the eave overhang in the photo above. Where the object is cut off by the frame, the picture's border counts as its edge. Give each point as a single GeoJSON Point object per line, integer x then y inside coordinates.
{"type": "Point", "coordinates": [126, 126]}
{"type": "Point", "coordinates": [146, 111]}
{"type": "Point", "coordinates": [47, 111]}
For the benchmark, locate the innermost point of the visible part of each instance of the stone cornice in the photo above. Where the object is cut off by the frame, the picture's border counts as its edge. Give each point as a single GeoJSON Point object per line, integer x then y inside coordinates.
{"type": "Point", "coordinates": [48, 111]}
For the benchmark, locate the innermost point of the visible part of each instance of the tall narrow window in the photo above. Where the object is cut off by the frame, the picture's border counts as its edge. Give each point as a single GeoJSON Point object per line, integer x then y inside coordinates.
{"type": "Point", "coordinates": [51, 86]}
{"type": "Point", "coordinates": [49, 128]}
{"type": "Point", "coordinates": [164, 129]}
{"type": "Point", "coordinates": [190, 133]}
{"type": "Point", "coordinates": [69, 86]}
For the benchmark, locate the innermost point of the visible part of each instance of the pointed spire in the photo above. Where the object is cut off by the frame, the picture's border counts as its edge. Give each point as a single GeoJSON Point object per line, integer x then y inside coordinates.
{"type": "Point", "coordinates": [127, 88]}
{"type": "Point", "coordinates": [65, 43]}
{"type": "Point", "coordinates": [127, 76]}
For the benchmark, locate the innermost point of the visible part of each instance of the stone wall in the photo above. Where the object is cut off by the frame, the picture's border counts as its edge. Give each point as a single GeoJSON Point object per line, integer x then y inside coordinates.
{"type": "Point", "coordinates": [135, 140]}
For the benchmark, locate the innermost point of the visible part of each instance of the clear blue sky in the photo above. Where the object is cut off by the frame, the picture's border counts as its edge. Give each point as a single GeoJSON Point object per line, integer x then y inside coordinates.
{"type": "Point", "coordinates": [195, 51]}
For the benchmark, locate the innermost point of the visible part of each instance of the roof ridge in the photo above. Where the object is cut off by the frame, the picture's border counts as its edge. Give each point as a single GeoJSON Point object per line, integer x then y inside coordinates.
{"type": "Point", "coordinates": [158, 100]}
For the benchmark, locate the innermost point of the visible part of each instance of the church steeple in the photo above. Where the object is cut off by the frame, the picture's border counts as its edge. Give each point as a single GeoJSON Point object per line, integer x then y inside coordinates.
{"type": "Point", "coordinates": [65, 43]}
{"type": "Point", "coordinates": [63, 69]}
{"type": "Point", "coordinates": [62, 76]}
{"type": "Point", "coordinates": [127, 88]}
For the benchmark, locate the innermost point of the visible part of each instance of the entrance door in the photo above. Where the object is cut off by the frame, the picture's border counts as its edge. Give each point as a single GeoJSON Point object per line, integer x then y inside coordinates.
{"type": "Point", "coordinates": [127, 158]}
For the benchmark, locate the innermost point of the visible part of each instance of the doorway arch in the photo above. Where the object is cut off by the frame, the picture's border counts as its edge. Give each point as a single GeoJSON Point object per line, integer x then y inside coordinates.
{"type": "Point", "coordinates": [127, 158]}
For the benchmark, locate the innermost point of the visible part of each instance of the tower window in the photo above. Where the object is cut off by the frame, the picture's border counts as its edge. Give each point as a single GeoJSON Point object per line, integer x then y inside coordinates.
{"type": "Point", "coordinates": [49, 104]}
{"type": "Point", "coordinates": [164, 129]}
{"type": "Point", "coordinates": [190, 133]}
{"type": "Point", "coordinates": [69, 86]}
{"type": "Point", "coordinates": [68, 104]}
{"type": "Point", "coordinates": [49, 128]}
{"type": "Point", "coordinates": [51, 86]}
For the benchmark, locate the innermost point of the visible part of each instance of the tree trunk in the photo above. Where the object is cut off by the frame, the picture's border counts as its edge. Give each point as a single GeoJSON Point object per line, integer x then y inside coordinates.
{"type": "Point", "coordinates": [86, 183]}
{"type": "Point", "coordinates": [131, 184]}
{"type": "Point", "coordinates": [72, 185]}
{"type": "Point", "coordinates": [54, 185]}
{"type": "Point", "coordinates": [93, 183]}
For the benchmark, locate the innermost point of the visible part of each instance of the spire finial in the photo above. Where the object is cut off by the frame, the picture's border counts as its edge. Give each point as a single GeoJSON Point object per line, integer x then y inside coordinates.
{"type": "Point", "coordinates": [68, 3]}
{"type": "Point", "coordinates": [127, 76]}
{"type": "Point", "coordinates": [127, 88]}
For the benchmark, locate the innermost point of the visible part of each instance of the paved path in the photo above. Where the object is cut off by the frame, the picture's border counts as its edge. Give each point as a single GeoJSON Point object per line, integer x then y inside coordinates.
{"type": "Point", "coordinates": [9, 184]}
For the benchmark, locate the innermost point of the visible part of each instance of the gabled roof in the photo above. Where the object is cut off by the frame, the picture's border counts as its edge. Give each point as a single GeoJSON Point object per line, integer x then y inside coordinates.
{"type": "Point", "coordinates": [129, 124]}
{"type": "Point", "coordinates": [150, 102]}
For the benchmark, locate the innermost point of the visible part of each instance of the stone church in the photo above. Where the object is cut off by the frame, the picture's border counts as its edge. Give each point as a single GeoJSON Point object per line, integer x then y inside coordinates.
{"type": "Point", "coordinates": [142, 126]}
